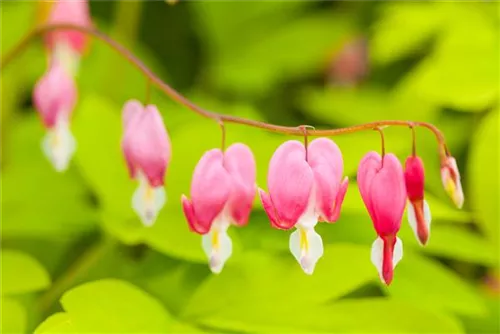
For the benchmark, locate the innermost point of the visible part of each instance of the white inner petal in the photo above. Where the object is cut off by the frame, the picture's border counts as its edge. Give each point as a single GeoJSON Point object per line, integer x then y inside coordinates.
{"type": "Point", "coordinates": [59, 145]}
{"type": "Point", "coordinates": [377, 254]}
{"type": "Point", "coordinates": [147, 201]}
{"type": "Point", "coordinates": [305, 243]}
{"type": "Point", "coordinates": [217, 244]}
{"type": "Point", "coordinates": [398, 252]}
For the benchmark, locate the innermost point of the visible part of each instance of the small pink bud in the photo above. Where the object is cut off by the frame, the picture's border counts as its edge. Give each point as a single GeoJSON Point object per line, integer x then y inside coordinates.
{"type": "Point", "coordinates": [69, 12]}
{"type": "Point", "coordinates": [419, 215]}
{"type": "Point", "coordinates": [222, 193]}
{"type": "Point", "coordinates": [145, 143]}
{"type": "Point", "coordinates": [54, 95]}
{"type": "Point", "coordinates": [147, 151]}
{"type": "Point", "coordinates": [451, 181]}
{"type": "Point", "coordinates": [302, 192]}
{"type": "Point", "coordinates": [382, 186]}
{"type": "Point", "coordinates": [54, 98]}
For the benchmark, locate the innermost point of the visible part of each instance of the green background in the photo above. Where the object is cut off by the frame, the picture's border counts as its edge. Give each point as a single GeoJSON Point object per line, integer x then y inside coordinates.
{"type": "Point", "coordinates": [75, 257]}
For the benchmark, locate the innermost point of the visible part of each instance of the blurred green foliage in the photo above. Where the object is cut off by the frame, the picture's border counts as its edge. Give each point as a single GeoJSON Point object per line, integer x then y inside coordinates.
{"type": "Point", "coordinates": [75, 257]}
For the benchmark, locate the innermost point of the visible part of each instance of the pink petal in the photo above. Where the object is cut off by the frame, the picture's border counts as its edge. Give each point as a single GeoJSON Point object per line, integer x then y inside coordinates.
{"type": "Point", "coordinates": [70, 12]}
{"type": "Point", "coordinates": [290, 180]}
{"type": "Point", "coordinates": [210, 190]}
{"type": "Point", "coordinates": [414, 178]}
{"type": "Point", "coordinates": [340, 199]}
{"type": "Point", "coordinates": [131, 109]}
{"type": "Point", "coordinates": [388, 196]}
{"type": "Point", "coordinates": [271, 211]}
{"type": "Point", "coordinates": [146, 145]}
{"type": "Point", "coordinates": [239, 162]}
{"type": "Point", "coordinates": [325, 159]}
{"type": "Point", "coordinates": [54, 95]}
{"type": "Point", "coordinates": [368, 167]}
{"type": "Point", "coordinates": [194, 225]}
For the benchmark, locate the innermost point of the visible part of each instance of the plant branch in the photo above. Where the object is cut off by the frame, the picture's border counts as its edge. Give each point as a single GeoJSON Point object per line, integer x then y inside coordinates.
{"type": "Point", "coordinates": [74, 272]}
{"type": "Point", "coordinates": [176, 96]}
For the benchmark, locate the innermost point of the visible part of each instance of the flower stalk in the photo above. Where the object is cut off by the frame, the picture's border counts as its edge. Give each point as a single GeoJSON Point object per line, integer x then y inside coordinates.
{"type": "Point", "coordinates": [179, 98]}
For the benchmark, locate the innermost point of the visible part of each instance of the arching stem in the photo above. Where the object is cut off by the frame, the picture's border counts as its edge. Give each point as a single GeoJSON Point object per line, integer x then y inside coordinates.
{"type": "Point", "coordinates": [176, 96]}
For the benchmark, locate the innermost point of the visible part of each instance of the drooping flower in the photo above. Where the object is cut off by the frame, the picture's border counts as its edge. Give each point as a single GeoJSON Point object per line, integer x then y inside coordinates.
{"type": "Point", "coordinates": [54, 98]}
{"type": "Point", "coordinates": [63, 44]}
{"type": "Point", "coordinates": [222, 192]}
{"type": "Point", "coordinates": [451, 181]}
{"type": "Point", "coordinates": [301, 192]}
{"type": "Point", "coordinates": [419, 213]}
{"type": "Point", "coordinates": [382, 187]}
{"type": "Point", "coordinates": [147, 150]}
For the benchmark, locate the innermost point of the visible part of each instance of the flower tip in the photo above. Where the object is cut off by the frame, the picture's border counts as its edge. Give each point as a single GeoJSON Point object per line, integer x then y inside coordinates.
{"type": "Point", "coordinates": [419, 217]}
{"type": "Point", "coordinates": [215, 264]}
{"type": "Point", "coordinates": [307, 265]}
{"type": "Point", "coordinates": [450, 176]}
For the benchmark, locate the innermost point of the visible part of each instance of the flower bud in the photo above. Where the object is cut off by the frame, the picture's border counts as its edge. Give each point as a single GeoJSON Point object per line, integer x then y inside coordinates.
{"type": "Point", "coordinates": [419, 214]}
{"type": "Point", "coordinates": [451, 181]}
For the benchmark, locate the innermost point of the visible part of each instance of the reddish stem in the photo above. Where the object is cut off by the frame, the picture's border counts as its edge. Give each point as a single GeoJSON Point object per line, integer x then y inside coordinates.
{"type": "Point", "coordinates": [176, 96]}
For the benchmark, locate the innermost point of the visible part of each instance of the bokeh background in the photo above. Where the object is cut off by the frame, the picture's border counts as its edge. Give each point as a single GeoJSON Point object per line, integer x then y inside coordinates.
{"type": "Point", "coordinates": [74, 252]}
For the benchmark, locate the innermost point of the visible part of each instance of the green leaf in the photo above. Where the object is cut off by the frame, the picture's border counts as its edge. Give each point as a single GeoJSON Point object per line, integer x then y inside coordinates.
{"type": "Point", "coordinates": [57, 323]}
{"type": "Point", "coordinates": [442, 78]}
{"type": "Point", "coordinates": [402, 29]}
{"type": "Point", "coordinates": [483, 178]}
{"type": "Point", "coordinates": [258, 65]}
{"type": "Point", "coordinates": [121, 308]}
{"type": "Point", "coordinates": [368, 103]}
{"type": "Point", "coordinates": [14, 317]}
{"type": "Point", "coordinates": [370, 315]}
{"type": "Point", "coordinates": [29, 181]}
{"type": "Point", "coordinates": [21, 273]}
{"type": "Point", "coordinates": [181, 327]}
{"type": "Point", "coordinates": [223, 23]}
{"type": "Point", "coordinates": [453, 242]}
{"type": "Point", "coordinates": [256, 277]}
{"type": "Point", "coordinates": [98, 129]}
{"type": "Point", "coordinates": [425, 282]}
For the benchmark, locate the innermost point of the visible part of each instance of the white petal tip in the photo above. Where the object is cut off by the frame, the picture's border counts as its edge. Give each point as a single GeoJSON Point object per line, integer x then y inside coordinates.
{"type": "Point", "coordinates": [59, 145]}
{"type": "Point", "coordinates": [148, 201]}
{"type": "Point", "coordinates": [307, 265]}
{"type": "Point", "coordinates": [217, 246]}
{"type": "Point", "coordinates": [307, 247]}
{"type": "Point", "coordinates": [215, 265]}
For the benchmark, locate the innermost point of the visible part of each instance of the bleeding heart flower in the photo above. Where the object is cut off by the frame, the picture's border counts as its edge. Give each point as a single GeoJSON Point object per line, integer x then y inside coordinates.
{"type": "Point", "coordinates": [451, 181]}
{"type": "Point", "coordinates": [301, 192]}
{"type": "Point", "coordinates": [55, 97]}
{"type": "Point", "coordinates": [147, 151]}
{"type": "Point", "coordinates": [419, 213]}
{"type": "Point", "coordinates": [68, 45]}
{"type": "Point", "coordinates": [222, 192]}
{"type": "Point", "coordinates": [382, 187]}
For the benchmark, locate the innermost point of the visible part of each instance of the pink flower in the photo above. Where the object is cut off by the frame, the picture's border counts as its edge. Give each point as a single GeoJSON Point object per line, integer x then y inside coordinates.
{"type": "Point", "coordinates": [451, 181]}
{"type": "Point", "coordinates": [419, 214]}
{"type": "Point", "coordinates": [222, 192]}
{"type": "Point", "coordinates": [382, 187]}
{"type": "Point", "coordinates": [74, 12]}
{"type": "Point", "coordinates": [54, 98]}
{"type": "Point", "coordinates": [301, 192]}
{"type": "Point", "coordinates": [147, 151]}
{"type": "Point", "coordinates": [68, 45]}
